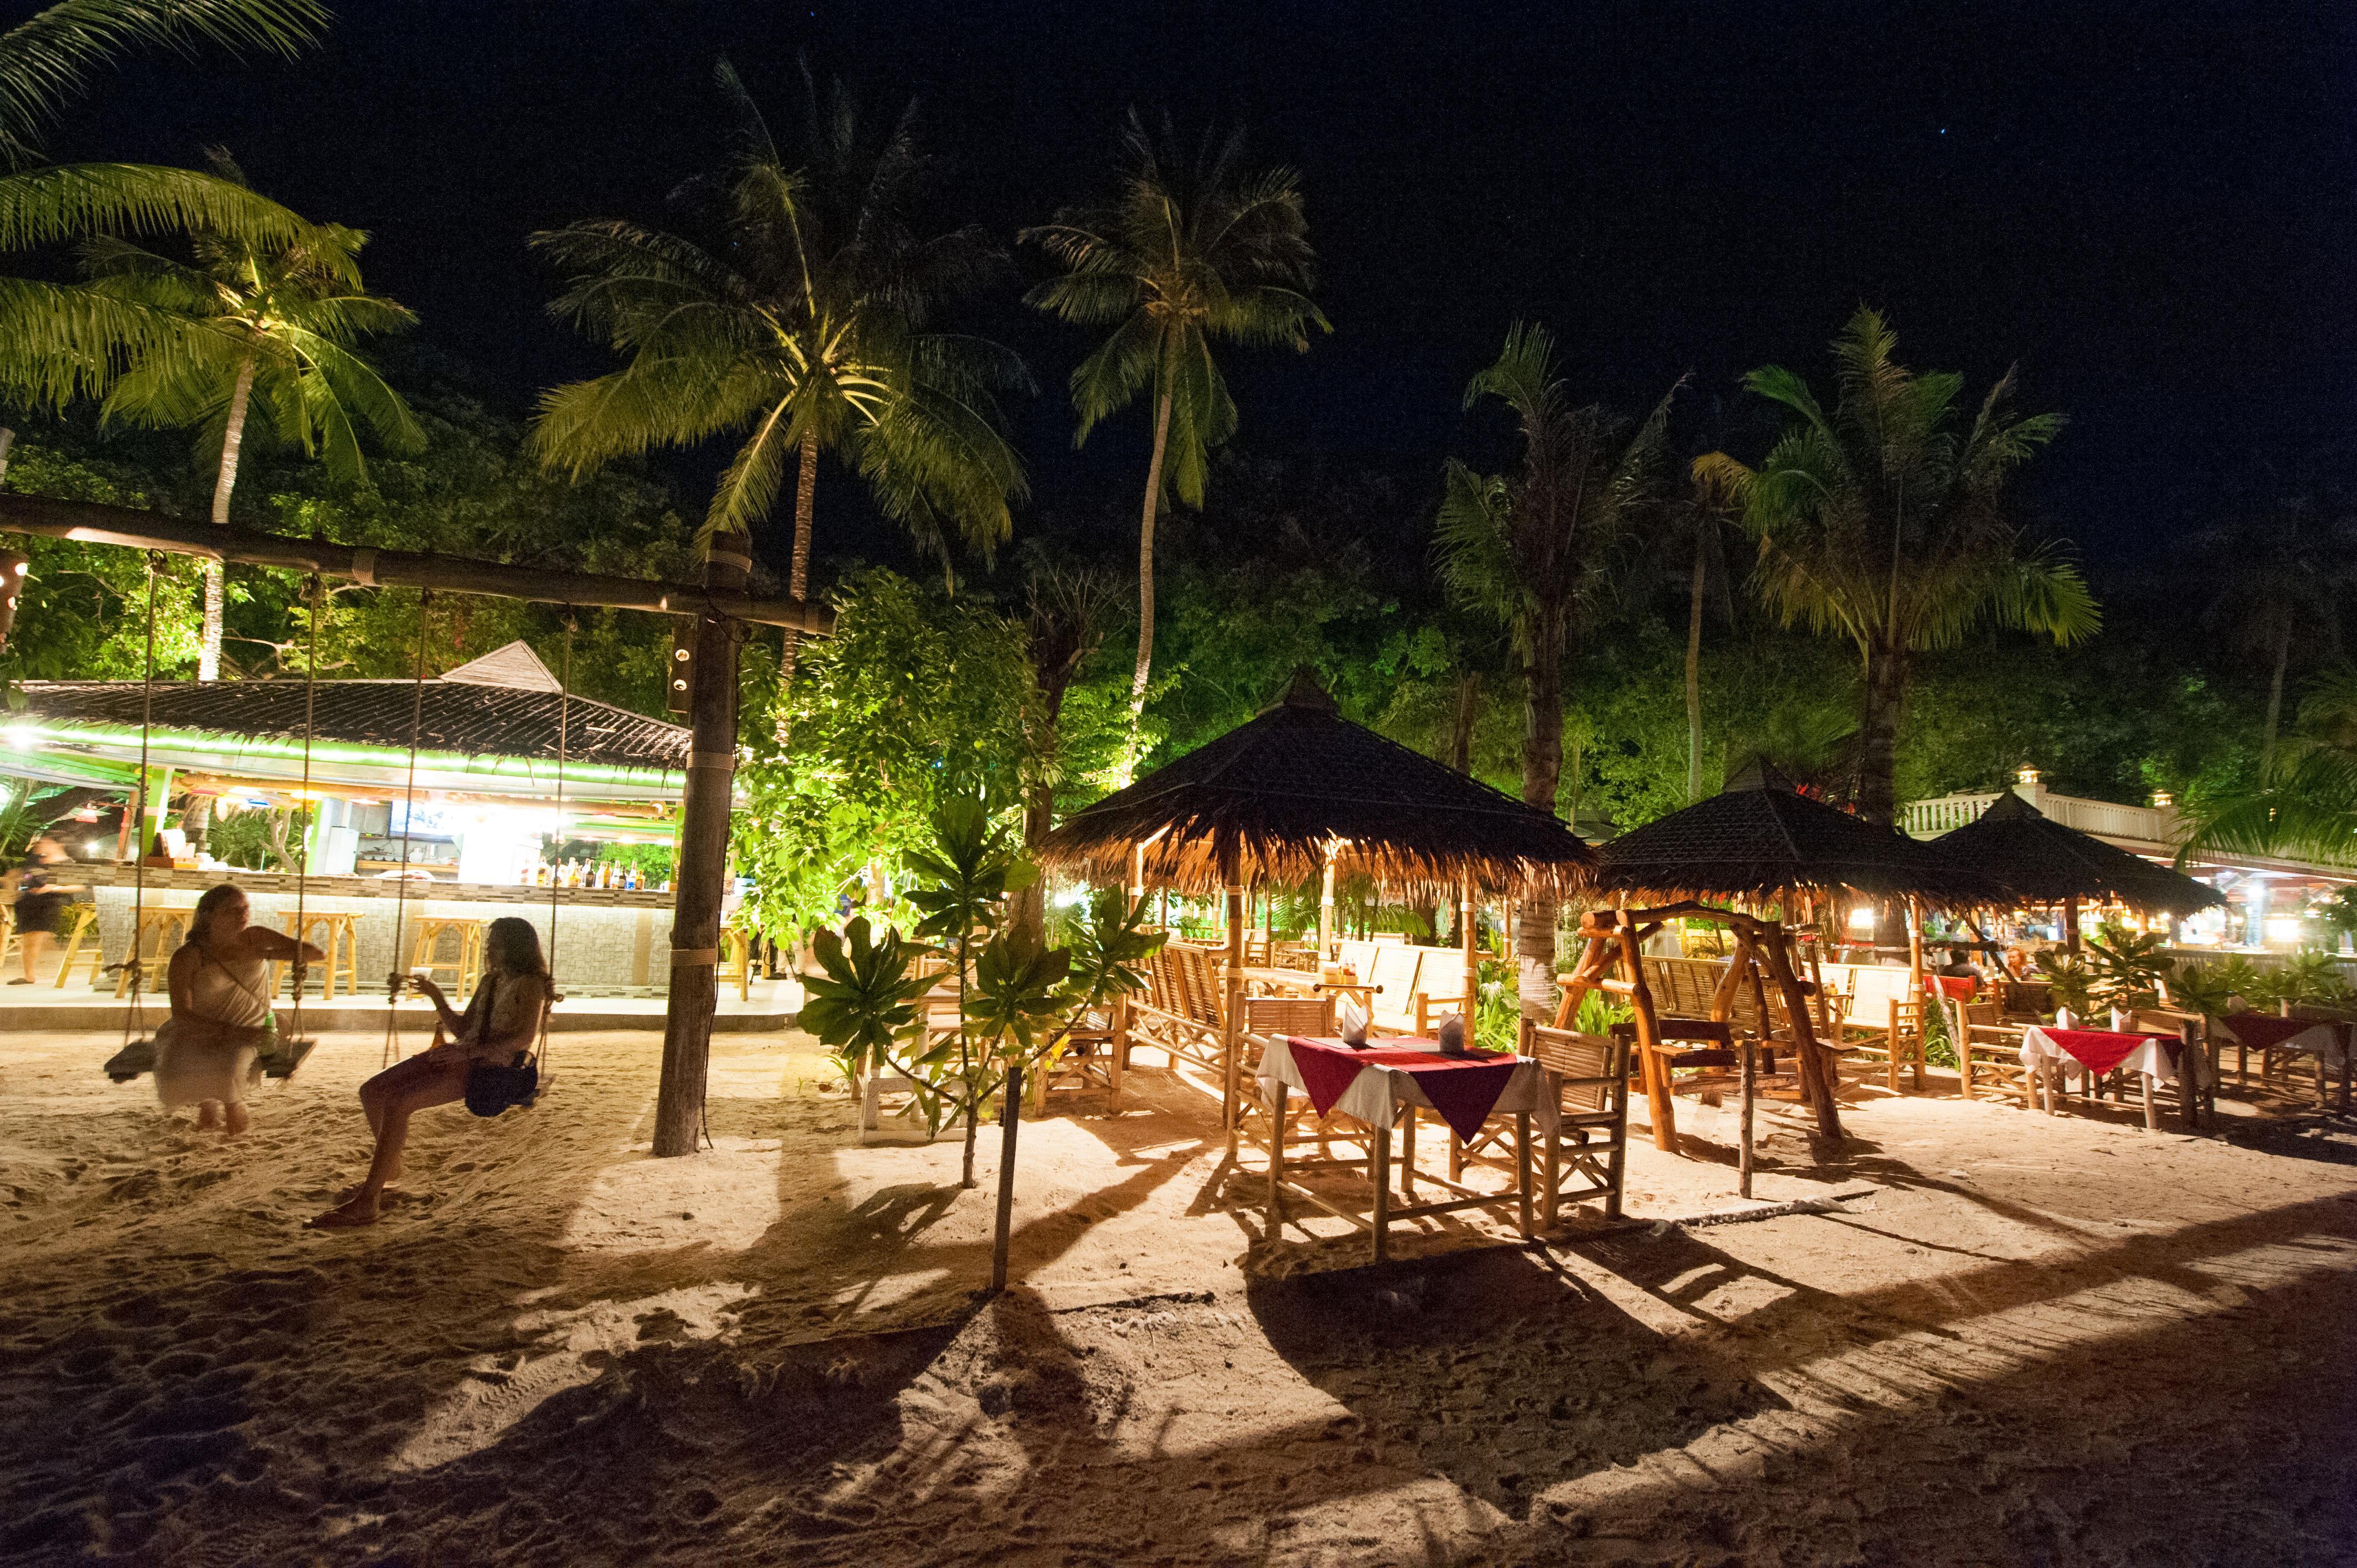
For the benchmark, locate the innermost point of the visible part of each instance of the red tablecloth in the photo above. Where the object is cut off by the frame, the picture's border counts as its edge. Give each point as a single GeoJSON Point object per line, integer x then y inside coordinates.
{"type": "Point", "coordinates": [1954, 987]}
{"type": "Point", "coordinates": [2100, 1050]}
{"type": "Point", "coordinates": [2266, 1031]}
{"type": "Point", "coordinates": [1464, 1090]}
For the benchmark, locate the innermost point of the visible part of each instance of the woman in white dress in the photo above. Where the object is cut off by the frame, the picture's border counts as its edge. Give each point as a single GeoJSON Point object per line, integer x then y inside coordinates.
{"type": "Point", "coordinates": [501, 1023]}
{"type": "Point", "coordinates": [221, 1009]}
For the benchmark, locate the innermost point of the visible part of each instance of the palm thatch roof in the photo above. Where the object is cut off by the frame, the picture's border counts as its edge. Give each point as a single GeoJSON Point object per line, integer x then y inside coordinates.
{"type": "Point", "coordinates": [1760, 838]}
{"type": "Point", "coordinates": [2039, 861]}
{"type": "Point", "coordinates": [1268, 798]}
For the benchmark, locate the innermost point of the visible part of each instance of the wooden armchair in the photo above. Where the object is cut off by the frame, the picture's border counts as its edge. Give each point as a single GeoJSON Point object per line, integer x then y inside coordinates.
{"type": "Point", "coordinates": [1083, 1060]}
{"type": "Point", "coordinates": [1988, 1059]}
{"type": "Point", "coordinates": [1896, 1043]}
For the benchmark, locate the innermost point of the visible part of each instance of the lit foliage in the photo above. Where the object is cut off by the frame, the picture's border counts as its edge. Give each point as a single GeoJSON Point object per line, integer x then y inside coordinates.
{"type": "Point", "coordinates": [1881, 522]}
{"type": "Point", "coordinates": [807, 320]}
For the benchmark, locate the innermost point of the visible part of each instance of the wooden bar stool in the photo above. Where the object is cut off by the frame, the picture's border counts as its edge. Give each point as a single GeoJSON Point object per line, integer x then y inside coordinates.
{"type": "Point", "coordinates": [340, 939]}
{"type": "Point", "coordinates": [85, 928]}
{"type": "Point", "coordinates": [160, 934]}
{"type": "Point", "coordinates": [426, 952]}
{"type": "Point", "coordinates": [738, 967]}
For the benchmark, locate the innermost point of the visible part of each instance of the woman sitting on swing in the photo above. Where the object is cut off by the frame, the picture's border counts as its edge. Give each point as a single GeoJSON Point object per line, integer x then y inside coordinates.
{"type": "Point", "coordinates": [501, 1023]}
{"type": "Point", "coordinates": [220, 1008]}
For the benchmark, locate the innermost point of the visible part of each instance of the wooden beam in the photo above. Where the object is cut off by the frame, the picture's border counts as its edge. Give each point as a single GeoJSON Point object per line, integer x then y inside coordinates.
{"type": "Point", "coordinates": [90, 523]}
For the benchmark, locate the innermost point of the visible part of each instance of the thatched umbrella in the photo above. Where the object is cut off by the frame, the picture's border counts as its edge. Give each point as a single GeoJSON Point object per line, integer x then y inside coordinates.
{"type": "Point", "coordinates": [1760, 839]}
{"type": "Point", "coordinates": [2036, 860]}
{"type": "Point", "coordinates": [1297, 791]}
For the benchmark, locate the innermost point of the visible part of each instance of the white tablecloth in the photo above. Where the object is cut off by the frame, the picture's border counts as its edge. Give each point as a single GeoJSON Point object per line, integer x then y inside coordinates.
{"type": "Point", "coordinates": [2151, 1058]}
{"type": "Point", "coordinates": [1376, 1096]}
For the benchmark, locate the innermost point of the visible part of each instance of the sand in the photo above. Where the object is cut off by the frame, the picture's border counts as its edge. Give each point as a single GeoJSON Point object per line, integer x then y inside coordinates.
{"type": "Point", "coordinates": [2029, 1340]}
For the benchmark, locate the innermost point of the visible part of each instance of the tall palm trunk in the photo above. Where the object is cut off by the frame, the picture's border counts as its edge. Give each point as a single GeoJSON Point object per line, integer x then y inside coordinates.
{"type": "Point", "coordinates": [1542, 778]}
{"type": "Point", "coordinates": [1146, 557]}
{"type": "Point", "coordinates": [2274, 699]}
{"type": "Point", "coordinates": [797, 578]}
{"type": "Point", "coordinates": [1694, 672]}
{"type": "Point", "coordinates": [232, 440]}
{"type": "Point", "coordinates": [1883, 699]}
{"type": "Point", "coordinates": [1461, 731]}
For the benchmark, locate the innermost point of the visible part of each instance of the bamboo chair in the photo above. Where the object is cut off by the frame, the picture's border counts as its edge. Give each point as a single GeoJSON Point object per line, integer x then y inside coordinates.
{"type": "Point", "coordinates": [1083, 1060]}
{"type": "Point", "coordinates": [1898, 1044]}
{"type": "Point", "coordinates": [1271, 1018]}
{"type": "Point", "coordinates": [1593, 1095]}
{"type": "Point", "coordinates": [85, 924]}
{"type": "Point", "coordinates": [1988, 1059]}
{"type": "Point", "coordinates": [1713, 1063]}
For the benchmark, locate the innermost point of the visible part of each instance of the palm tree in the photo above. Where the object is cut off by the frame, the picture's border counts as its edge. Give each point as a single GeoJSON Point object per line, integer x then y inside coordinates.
{"type": "Point", "coordinates": [1882, 523]}
{"type": "Point", "coordinates": [62, 343]}
{"type": "Point", "coordinates": [806, 326]}
{"type": "Point", "coordinates": [2304, 806]}
{"type": "Point", "coordinates": [1193, 252]}
{"type": "Point", "coordinates": [1705, 514]}
{"type": "Point", "coordinates": [268, 326]}
{"type": "Point", "coordinates": [1064, 624]}
{"type": "Point", "coordinates": [2280, 572]}
{"type": "Point", "coordinates": [1523, 548]}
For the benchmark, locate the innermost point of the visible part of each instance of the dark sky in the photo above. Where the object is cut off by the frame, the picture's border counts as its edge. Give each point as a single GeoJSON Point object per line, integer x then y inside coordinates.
{"type": "Point", "coordinates": [2148, 206]}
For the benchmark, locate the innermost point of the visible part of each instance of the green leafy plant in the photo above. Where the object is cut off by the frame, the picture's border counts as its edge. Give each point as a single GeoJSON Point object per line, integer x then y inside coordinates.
{"type": "Point", "coordinates": [2072, 980]}
{"type": "Point", "coordinates": [2130, 969]}
{"type": "Point", "coordinates": [862, 1006]}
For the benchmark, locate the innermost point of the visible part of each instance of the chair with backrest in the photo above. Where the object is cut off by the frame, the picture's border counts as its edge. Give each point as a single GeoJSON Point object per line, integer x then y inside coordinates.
{"type": "Point", "coordinates": [1393, 972]}
{"type": "Point", "coordinates": [1592, 1097]}
{"type": "Point", "coordinates": [1896, 1042]}
{"type": "Point", "coordinates": [1988, 1059]}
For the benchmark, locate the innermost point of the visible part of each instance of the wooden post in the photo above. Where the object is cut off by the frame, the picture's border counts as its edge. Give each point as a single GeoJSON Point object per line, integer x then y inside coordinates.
{"type": "Point", "coordinates": [1616, 1062]}
{"type": "Point", "coordinates": [1743, 1138]}
{"type": "Point", "coordinates": [1472, 961]}
{"type": "Point", "coordinates": [1813, 1057]}
{"type": "Point", "coordinates": [703, 876]}
{"type": "Point", "coordinates": [1325, 905]}
{"type": "Point", "coordinates": [1276, 1163]}
{"type": "Point", "coordinates": [1383, 1173]}
{"type": "Point", "coordinates": [1658, 1100]}
{"type": "Point", "coordinates": [1231, 1015]}
{"type": "Point", "coordinates": [2070, 927]}
{"type": "Point", "coordinates": [1011, 1118]}
{"type": "Point", "coordinates": [1522, 1168]}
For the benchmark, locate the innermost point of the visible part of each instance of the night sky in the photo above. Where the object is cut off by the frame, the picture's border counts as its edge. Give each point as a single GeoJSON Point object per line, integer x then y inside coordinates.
{"type": "Point", "coordinates": [2148, 206]}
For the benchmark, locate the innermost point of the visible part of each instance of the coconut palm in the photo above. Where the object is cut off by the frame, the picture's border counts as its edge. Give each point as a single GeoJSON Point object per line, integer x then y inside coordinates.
{"type": "Point", "coordinates": [1883, 521]}
{"type": "Point", "coordinates": [2281, 572]}
{"type": "Point", "coordinates": [268, 327]}
{"type": "Point", "coordinates": [63, 343]}
{"type": "Point", "coordinates": [1194, 250]}
{"type": "Point", "coordinates": [1523, 548]}
{"type": "Point", "coordinates": [806, 326]}
{"type": "Point", "coordinates": [2305, 806]}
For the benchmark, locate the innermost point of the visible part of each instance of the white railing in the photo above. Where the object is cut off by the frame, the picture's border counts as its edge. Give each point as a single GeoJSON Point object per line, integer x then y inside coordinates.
{"type": "Point", "coordinates": [1930, 818]}
{"type": "Point", "coordinates": [2104, 818]}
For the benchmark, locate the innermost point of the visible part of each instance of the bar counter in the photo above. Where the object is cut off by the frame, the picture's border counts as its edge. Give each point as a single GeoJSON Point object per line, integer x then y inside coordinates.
{"type": "Point", "coordinates": [609, 942]}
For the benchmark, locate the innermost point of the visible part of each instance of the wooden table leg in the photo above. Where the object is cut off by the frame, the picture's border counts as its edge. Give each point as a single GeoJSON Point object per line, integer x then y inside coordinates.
{"type": "Point", "coordinates": [2151, 1107]}
{"type": "Point", "coordinates": [1522, 1166]}
{"type": "Point", "coordinates": [1407, 1155]}
{"type": "Point", "coordinates": [1276, 1161]}
{"type": "Point", "coordinates": [1551, 1163]}
{"type": "Point", "coordinates": [1382, 1174]}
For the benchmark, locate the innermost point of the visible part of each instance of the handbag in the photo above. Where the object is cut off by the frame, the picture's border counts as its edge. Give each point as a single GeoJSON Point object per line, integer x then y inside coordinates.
{"type": "Point", "coordinates": [491, 1088]}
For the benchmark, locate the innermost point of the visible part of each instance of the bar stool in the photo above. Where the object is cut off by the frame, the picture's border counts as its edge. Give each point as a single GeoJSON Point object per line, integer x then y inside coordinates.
{"type": "Point", "coordinates": [160, 934]}
{"type": "Point", "coordinates": [85, 924]}
{"type": "Point", "coordinates": [739, 968]}
{"type": "Point", "coordinates": [9, 946]}
{"type": "Point", "coordinates": [340, 939]}
{"type": "Point", "coordinates": [425, 951]}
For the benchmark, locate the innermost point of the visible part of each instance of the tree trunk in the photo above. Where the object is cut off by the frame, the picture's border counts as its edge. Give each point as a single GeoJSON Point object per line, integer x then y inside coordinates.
{"type": "Point", "coordinates": [1146, 558]}
{"type": "Point", "coordinates": [1883, 697]}
{"type": "Point", "coordinates": [1542, 778]}
{"type": "Point", "coordinates": [232, 439]}
{"type": "Point", "coordinates": [797, 575]}
{"type": "Point", "coordinates": [1469, 711]}
{"type": "Point", "coordinates": [1694, 672]}
{"type": "Point", "coordinates": [2274, 703]}
{"type": "Point", "coordinates": [703, 874]}
{"type": "Point", "coordinates": [7, 439]}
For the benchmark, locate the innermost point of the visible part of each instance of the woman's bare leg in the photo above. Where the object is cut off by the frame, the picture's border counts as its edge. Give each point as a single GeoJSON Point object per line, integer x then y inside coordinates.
{"type": "Point", "coordinates": [208, 1115]}
{"type": "Point", "coordinates": [234, 1115]}
{"type": "Point", "coordinates": [31, 945]}
{"type": "Point", "coordinates": [390, 1099]}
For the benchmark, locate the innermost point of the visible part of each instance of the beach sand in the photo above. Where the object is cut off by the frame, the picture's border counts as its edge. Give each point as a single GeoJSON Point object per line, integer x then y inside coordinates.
{"type": "Point", "coordinates": [2030, 1339]}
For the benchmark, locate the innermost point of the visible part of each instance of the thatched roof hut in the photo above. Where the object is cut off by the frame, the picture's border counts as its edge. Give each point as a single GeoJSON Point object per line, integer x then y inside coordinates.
{"type": "Point", "coordinates": [1760, 838]}
{"type": "Point", "coordinates": [1270, 799]}
{"type": "Point", "coordinates": [2039, 861]}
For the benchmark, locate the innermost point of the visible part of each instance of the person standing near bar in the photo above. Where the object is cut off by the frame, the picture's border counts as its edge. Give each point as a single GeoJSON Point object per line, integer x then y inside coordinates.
{"type": "Point", "coordinates": [43, 902]}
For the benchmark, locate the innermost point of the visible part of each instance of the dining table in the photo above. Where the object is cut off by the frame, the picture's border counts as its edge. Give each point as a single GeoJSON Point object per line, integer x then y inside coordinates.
{"type": "Point", "coordinates": [2083, 1058]}
{"type": "Point", "coordinates": [2326, 1040]}
{"type": "Point", "coordinates": [1385, 1087]}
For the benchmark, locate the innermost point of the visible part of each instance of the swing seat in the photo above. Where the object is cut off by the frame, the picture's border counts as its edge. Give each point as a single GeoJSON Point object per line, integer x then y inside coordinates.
{"type": "Point", "coordinates": [289, 1055]}
{"type": "Point", "coordinates": [133, 1059]}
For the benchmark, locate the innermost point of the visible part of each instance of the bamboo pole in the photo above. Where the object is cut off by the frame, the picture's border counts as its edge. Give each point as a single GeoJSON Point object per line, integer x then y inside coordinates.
{"type": "Point", "coordinates": [1473, 960]}
{"type": "Point", "coordinates": [94, 524]}
{"type": "Point", "coordinates": [1232, 1016]}
{"type": "Point", "coordinates": [1325, 905]}
{"type": "Point", "coordinates": [1813, 1057]}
